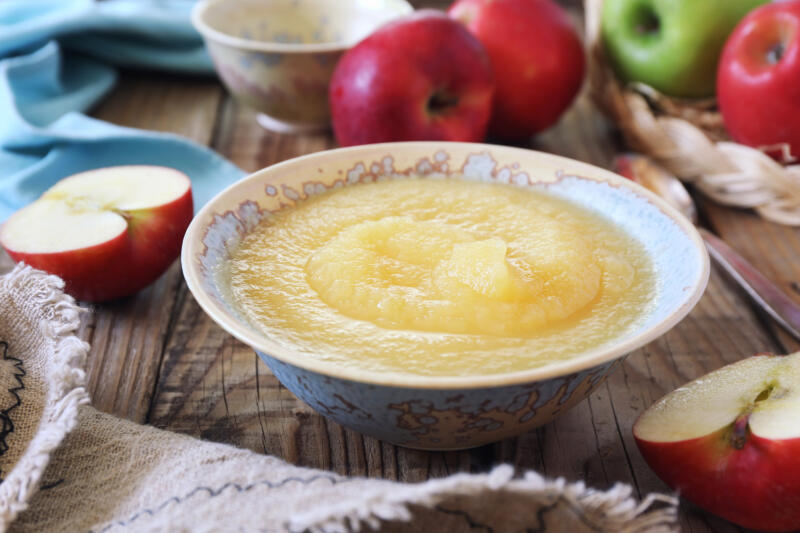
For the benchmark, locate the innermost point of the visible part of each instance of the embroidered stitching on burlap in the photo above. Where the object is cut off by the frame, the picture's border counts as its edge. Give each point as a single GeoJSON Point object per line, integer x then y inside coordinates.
{"type": "Point", "coordinates": [5, 414]}
{"type": "Point", "coordinates": [216, 492]}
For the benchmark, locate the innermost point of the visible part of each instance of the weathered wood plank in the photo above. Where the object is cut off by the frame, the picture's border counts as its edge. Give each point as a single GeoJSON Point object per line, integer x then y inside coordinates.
{"type": "Point", "coordinates": [127, 336]}
{"type": "Point", "coordinates": [159, 344]}
{"type": "Point", "coordinates": [772, 248]}
{"type": "Point", "coordinates": [6, 263]}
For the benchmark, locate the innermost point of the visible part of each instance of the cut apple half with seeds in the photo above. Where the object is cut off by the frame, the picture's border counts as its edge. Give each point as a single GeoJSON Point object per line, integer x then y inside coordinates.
{"type": "Point", "coordinates": [107, 232]}
{"type": "Point", "coordinates": [730, 441]}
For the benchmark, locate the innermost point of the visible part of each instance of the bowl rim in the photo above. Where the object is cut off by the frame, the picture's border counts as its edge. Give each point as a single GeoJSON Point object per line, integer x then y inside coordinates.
{"type": "Point", "coordinates": [212, 34]}
{"type": "Point", "coordinates": [192, 245]}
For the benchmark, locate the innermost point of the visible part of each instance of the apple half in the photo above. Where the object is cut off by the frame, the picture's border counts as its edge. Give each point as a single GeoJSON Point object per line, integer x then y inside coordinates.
{"type": "Point", "coordinates": [730, 442]}
{"type": "Point", "coordinates": [107, 232]}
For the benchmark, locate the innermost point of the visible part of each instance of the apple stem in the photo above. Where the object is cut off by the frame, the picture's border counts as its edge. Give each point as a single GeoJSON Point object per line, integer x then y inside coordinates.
{"type": "Point", "coordinates": [741, 426]}
{"type": "Point", "coordinates": [441, 100]}
{"type": "Point", "coordinates": [648, 24]}
{"type": "Point", "coordinates": [741, 430]}
{"type": "Point", "coordinates": [775, 53]}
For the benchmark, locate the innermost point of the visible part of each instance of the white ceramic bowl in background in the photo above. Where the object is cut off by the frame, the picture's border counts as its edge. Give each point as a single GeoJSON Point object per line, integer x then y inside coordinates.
{"type": "Point", "coordinates": [278, 56]}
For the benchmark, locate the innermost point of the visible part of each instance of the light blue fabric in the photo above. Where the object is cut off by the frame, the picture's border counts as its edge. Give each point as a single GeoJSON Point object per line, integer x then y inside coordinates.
{"type": "Point", "coordinates": [56, 62]}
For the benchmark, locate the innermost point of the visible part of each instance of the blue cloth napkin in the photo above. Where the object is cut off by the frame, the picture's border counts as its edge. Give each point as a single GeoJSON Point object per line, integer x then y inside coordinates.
{"type": "Point", "coordinates": [56, 62]}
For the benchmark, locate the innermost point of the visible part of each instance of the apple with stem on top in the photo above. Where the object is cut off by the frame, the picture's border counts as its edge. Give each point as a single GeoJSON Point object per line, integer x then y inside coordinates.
{"type": "Point", "coordinates": [537, 59]}
{"type": "Point", "coordinates": [758, 82]}
{"type": "Point", "coordinates": [671, 45]}
{"type": "Point", "coordinates": [730, 441]}
{"type": "Point", "coordinates": [107, 232]}
{"type": "Point", "coordinates": [420, 77]}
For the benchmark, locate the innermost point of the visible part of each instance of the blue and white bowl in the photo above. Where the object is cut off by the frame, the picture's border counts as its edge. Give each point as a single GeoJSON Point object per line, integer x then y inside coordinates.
{"type": "Point", "coordinates": [445, 412]}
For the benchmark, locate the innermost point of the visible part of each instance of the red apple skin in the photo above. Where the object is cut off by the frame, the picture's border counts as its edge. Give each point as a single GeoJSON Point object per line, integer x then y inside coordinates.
{"type": "Point", "coordinates": [757, 486]}
{"type": "Point", "coordinates": [623, 165]}
{"type": "Point", "coordinates": [125, 264]}
{"type": "Point", "coordinates": [381, 88]}
{"type": "Point", "coordinates": [537, 58]}
{"type": "Point", "coordinates": [758, 97]}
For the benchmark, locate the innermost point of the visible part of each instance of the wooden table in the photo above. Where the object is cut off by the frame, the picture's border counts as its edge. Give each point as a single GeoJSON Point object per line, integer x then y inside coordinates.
{"type": "Point", "coordinates": [157, 358]}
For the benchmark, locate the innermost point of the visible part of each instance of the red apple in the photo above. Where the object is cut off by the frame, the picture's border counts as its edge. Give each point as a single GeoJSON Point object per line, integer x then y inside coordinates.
{"type": "Point", "coordinates": [758, 81]}
{"type": "Point", "coordinates": [730, 441]}
{"type": "Point", "coordinates": [107, 232]}
{"type": "Point", "coordinates": [537, 59]}
{"type": "Point", "coordinates": [420, 77]}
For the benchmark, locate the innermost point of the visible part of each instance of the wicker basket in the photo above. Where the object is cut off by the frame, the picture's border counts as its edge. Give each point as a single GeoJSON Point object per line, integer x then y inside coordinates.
{"type": "Point", "coordinates": [688, 139]}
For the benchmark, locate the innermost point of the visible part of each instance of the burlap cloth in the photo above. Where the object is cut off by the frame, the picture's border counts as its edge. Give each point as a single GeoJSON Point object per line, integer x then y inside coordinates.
{"type": "Point", "coordinates": [68, 467]}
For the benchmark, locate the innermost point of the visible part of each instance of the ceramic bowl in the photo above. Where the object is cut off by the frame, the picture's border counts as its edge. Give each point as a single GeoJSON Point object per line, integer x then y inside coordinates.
{"type": "Point", "coordinates": [278, 56]}
{"type": "Point", "coordinates": [445, 412]}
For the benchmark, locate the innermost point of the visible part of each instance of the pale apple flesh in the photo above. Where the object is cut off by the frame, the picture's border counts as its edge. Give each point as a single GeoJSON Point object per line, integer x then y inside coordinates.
{"type": "Point", "coordinates": [730, 442]}
{"type": "Point", "coordinates": [107, 232]}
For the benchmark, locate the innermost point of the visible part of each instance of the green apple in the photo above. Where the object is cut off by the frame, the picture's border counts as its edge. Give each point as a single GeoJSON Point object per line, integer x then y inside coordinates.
{"type": "Point", "coordinates": [671, 45]}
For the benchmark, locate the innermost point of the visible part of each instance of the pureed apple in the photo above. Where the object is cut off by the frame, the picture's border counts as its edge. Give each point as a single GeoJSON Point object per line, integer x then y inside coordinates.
{"type": "Point", "coordinates": [440, 277]}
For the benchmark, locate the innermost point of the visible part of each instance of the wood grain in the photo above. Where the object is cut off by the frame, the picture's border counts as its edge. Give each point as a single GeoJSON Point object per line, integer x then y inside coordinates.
{"type": "Point", "coordinates": [158, 357]}
{"type": "Point", "coordinates": [773, 249]}
{"type": "Point", "coordinates": [6, 263]}
{"type": "Point", "coordinates": [214, 387]}
{"type": "Point", "coordinates": [128, 336]}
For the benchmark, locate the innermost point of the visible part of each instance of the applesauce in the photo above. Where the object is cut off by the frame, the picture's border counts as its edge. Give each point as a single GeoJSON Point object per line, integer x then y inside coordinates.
{"type": "Point", "coordinates": [440, 277]}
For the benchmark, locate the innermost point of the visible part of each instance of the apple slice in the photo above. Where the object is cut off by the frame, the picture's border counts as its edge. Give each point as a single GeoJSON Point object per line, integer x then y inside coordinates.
{"type": "Point", "coordinates": [730, 441]}
{"type": "Point", "coordinates": [107, 232]}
